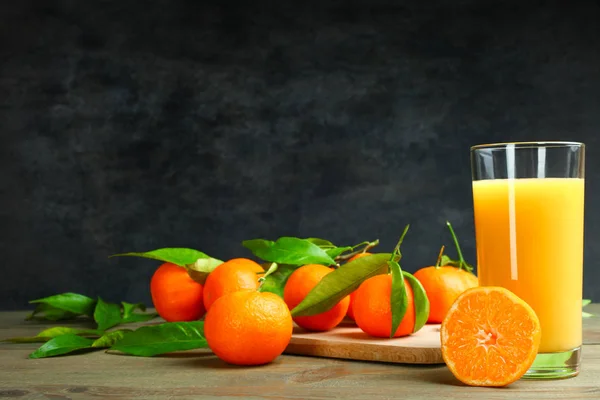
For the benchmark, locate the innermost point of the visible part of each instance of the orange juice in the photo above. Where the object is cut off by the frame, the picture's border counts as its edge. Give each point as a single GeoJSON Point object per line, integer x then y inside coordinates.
{"type": "Point", "coordinates": [529, 236]}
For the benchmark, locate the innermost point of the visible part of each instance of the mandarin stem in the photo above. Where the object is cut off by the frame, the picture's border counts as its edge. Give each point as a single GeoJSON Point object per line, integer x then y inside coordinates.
{"type": "Point", "coordinates": [397, 248]}
{"type": "Point", "coordinates": [369, 245]}
{"type": "Point", "coordinates": [439, 259]}
{"type": "Point", "coordinates": [261, 280]}
{"type": "Point", "coordinates": [461, 259]}
{"type": "Point", "coordinates": [360, 244]}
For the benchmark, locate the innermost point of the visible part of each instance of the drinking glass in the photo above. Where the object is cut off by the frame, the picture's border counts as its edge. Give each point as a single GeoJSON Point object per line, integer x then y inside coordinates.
{"type": "Point", "coordinates": [528, 200]}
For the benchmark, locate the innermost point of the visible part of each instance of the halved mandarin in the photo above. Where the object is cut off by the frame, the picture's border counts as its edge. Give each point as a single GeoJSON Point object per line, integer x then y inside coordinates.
{"type": "Point", "coordinates": [490, 337]}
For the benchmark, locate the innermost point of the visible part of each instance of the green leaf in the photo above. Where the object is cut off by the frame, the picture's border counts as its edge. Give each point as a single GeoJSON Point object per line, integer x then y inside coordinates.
{"type": "Point", "coordinates": [398, 298]}
{"type": "Point", "coordinates": [336, 251]}
{"type": "Point", "coordinates": [72, 302]}
{"type": "Point", "coordinates": [136, 317]}
{"type": "Point", "coordinates": [200, 269]}
{"type": "Point", "coordinates": [322, 243]}
{"type": "Point", "coordinates": [129, 308]}
{"type": "Point", "coordinates": [420, 301]}
{"type": "Point", "coordinates": [110, 338]}
{"type": "Point", "coordinates": [340, 283]}
{"type": "Point", "coordinates": [258, 245]}
{"type": "Point", "coordinates": [446, 260]}
{"type": "Point", "coordinates": [129, 314]}
{"type": "Point", "coordinates": [456, 264]}
{"type": "Point", "coordinates": [53, 332]}
{"type": "Point", "coordinates": [47, 312]}
{"type": "Point", "coordinates": [107, 315]}
{"type": "Point", "coordinates": [275, 282]}
{"type": "Point", "coordinates": [62, 345]}
{"type": "Point", "coordinates": [331, 249]}
{"type": "Point", "coordinates": [149, 341]}
{"type": "Point", "coordinates": [63, 330]}
{"type": "Point", "coordinates": [288, 250]}
{"type": "Point", "coordinates": [177, 255]}
{"type": "Point", "coordinates": [585, 302]}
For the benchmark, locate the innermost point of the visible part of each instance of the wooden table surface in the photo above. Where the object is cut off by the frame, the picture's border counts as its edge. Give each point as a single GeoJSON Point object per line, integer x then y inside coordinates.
{"type": "Point", "coordinates": [199, 374]}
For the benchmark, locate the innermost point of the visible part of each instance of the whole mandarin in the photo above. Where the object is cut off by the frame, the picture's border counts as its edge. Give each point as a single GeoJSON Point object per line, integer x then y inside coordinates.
{"type": "Point", "coordinates": [443, 285]}
{"type": "Point", "coordinates": [248, 327]}
{"type": "Point", "coordinates": [175, 295]}
{"type": "Point", "coordinates": [299, 284]}
{"type": "Point", "coordinates": [373, 311]}
{"type": "Point", "coordinates": [231, 276]}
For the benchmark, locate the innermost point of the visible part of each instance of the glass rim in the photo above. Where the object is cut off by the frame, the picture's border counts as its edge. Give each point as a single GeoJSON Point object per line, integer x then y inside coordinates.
{"type": "Point", "coordinates": [531, 144]}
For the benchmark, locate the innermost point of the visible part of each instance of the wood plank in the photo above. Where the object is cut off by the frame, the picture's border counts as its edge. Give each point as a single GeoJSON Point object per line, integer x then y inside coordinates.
{"type": "Point", "coordinates": [199, 374]}
{"type": "Point", "coordinates": [349, 342]}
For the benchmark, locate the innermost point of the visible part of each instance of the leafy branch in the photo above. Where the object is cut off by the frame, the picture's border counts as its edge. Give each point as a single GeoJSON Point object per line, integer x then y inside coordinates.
{"type": "Point", "coordinates": [62, 340]}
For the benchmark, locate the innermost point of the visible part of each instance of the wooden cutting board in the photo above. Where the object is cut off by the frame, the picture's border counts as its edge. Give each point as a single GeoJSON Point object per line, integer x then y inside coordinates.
{"type": "Point", "coordinates": [347, 341]}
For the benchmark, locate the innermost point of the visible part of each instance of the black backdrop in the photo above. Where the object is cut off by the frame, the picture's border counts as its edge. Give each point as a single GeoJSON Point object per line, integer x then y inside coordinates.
{"type": "Point", "coordinates": [128, 126]}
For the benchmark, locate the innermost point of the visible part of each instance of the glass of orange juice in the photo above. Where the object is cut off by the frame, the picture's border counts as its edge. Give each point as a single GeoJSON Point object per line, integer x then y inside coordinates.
{"type": "Point", "coordinates": [528, 200]}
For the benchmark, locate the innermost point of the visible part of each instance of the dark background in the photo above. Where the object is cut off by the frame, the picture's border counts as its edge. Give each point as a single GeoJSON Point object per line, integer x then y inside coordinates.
{"type": "Point", "coordinates": [129, 126]}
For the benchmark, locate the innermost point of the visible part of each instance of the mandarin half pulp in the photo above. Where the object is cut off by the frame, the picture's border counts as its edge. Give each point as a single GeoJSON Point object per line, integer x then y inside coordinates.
{"type": "Point", "coordinates": [490, 337]}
